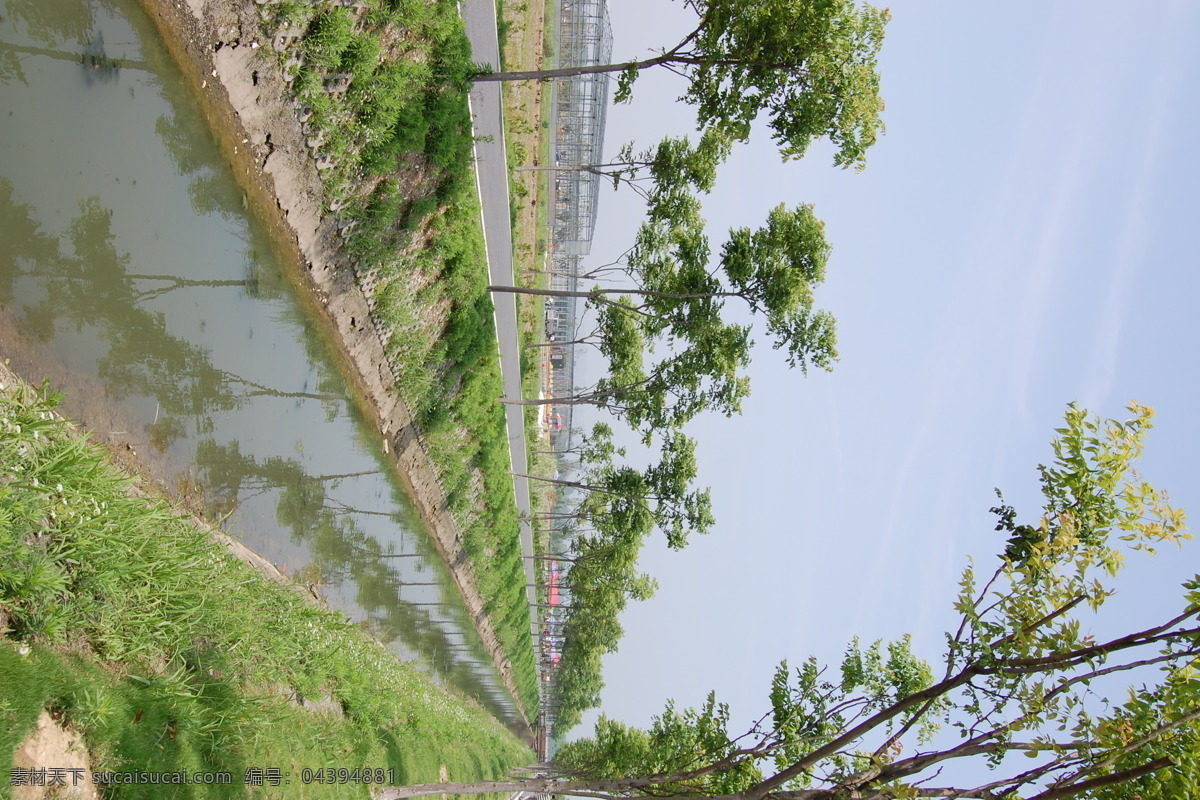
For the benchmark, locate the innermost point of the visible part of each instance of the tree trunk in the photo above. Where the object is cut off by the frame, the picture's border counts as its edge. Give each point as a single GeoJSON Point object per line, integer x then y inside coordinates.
{"type": "Point", "coordinates": [577, 400]}
{"type": "Point", "coordinates": [543, 345]}
{"type": "Point", "coordinates": [598, 294]}
{"type": "Point", "coordinates": [595, 169]}
{"type": "Point", "coordinates": [556, 481]}
{"type": "Point", "coordinates": [571, 72]}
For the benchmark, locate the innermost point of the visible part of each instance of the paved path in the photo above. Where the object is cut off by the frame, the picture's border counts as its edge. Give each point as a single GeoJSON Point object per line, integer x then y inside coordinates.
{"type": "Point", "coordinates": [491, 175]}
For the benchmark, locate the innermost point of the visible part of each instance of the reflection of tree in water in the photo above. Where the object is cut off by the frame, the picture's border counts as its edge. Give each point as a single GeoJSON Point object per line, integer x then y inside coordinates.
{"type": "Point", "coordinates": [98, 65]}
{"type": "Point", "coordinates": [329, 382]}
{"type": "Point", "coordinates": [94, 289]}
{"type": "Point", "coordinates": [343, 552]}
{"type": "Point", "coordinates": [196, 157]}
{"type": "Point", "coordinates": [95, 62]}
{"type": "Point", "coordinates": [10, 67]}
{"type": "Point", "coordinates": [22, 244]}
{"type": "Point", "coordinates": [68, 31]}
{"type": "Point", "coordinates": [58, 23]}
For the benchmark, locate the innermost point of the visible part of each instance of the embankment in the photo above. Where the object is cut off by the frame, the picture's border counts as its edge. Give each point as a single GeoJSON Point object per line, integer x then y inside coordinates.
{"type": "Point", "coordinates": [225, 57]}
{"type": "Point", "coordinates": [134, 628]}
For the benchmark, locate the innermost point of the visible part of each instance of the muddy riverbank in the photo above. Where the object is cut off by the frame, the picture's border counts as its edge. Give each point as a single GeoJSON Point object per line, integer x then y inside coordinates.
{"type": "Point", "coordinates": [229, 62]}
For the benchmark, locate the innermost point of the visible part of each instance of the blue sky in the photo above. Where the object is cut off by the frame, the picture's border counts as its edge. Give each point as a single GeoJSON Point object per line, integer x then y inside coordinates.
{"type": "Point", "coordinates": [1023, 236]}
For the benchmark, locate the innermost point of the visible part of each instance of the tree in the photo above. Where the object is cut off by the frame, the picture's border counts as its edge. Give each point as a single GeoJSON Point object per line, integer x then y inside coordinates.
{"type": "Point", "coordinates": [773, 270]}
{"type": "Point", "coordinates": [672, 159]}
{"type": "Point", "coordinates": [624, 503]}
{"type": "Point", "coordinates": [809, 64]}
{"type": "Point", "coordinates": [1020, 675]}
{"type": "Point", "coordinates": [676, 303]}
{"type": "Point", "coordinates": [619, 507]}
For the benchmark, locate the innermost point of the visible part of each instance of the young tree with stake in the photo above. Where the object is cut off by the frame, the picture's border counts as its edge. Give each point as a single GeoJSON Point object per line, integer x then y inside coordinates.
{"type": "Point", "coordinates": [809, 65]}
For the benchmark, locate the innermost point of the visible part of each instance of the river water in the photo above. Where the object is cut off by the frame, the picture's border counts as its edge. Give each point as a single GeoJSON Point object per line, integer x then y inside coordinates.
{"type": "Point", "coordinates": [133, 277]}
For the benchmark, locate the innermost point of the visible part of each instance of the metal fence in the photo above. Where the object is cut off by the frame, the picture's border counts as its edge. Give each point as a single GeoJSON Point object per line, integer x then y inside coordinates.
{"type": "Point", "coordinates": [583, 37]}
{"type": "Point", "coordinates": [580, 111]}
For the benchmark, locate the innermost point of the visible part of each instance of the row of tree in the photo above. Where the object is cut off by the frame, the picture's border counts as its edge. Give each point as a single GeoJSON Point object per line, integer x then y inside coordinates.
{"type": "Point", "coordinates": [810, 68]}
{"type": "Point", "coordinates": [608, 511]}
{"type": "Point", "coordinates": [665, 314]}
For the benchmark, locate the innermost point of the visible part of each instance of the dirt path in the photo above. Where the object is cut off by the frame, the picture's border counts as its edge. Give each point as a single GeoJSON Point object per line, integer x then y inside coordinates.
{"type": "Point", "coordinates": [528, 115]}
{"type": "Point", "coordinates": [526, 110]}
{"type": "Point", "coordinates": [52, 744]}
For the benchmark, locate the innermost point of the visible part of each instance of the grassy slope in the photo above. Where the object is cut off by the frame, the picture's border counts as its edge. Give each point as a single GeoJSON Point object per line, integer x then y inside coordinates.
{"type": "Point", "coordinates": [170, 654]}
{"type": "Point", "coordinates": [399, 142]}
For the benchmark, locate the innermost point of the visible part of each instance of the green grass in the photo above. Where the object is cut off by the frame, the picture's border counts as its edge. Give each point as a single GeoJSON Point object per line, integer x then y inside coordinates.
{"type": "Point", "coordinates": [399, 141]}
{"type": "Point", "coordinates": [167, 653]}
{"type": "Point", "coordinates": [502, 27]}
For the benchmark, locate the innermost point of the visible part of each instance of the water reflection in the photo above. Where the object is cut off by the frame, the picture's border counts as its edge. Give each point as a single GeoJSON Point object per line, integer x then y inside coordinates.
{"type": "Point", "coordinates": [127, 261]}
{"type": "Point", "coordinates": [90, 292]}
{"type": "Point", "coordinates": [23, 240]}
{"type": "Point", "coordinates": [317, 512]}
{"type": "Point", "coordinates": [55, 24]}
{"type": "Point", "coordinates": [210, 190]}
